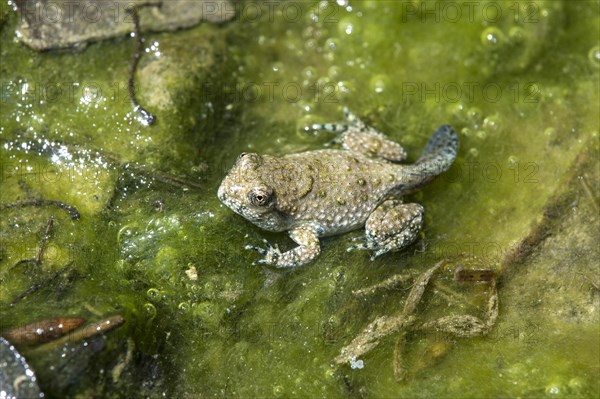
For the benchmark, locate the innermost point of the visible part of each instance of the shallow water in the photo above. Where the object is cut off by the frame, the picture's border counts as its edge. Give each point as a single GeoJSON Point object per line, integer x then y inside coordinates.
{"type": "Point", "coordinates": [519, 81]}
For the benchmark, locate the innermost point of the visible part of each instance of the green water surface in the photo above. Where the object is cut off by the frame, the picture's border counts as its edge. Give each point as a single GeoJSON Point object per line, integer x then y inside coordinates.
{"type": "Point", "coordinates": [519, 81]}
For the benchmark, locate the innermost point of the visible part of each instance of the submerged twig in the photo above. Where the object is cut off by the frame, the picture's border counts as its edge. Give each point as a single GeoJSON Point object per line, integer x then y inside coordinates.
{"type": "Point", "coordinates": [38, 257]}
{"type": "Point", "coordinates": [588, 191]}
{"type": "Point", "coordinates": [389, 283]}
{"type": "Point", "coordinates": [474, 275]}
{"type": "Point", "coordinates": [384, 326]}
{"type": "Point", "coordinates": [118, 369]}
{"type": "Point", "coordinates": [368, 339]}
{"type": "Point", "coordinates": [41, 284]}
{"type": "Point", "coordinates": [416, 293]}
{"type": "Point", "coordinates": [400, 369]}
{"type": "Point", "coordinates": [71, 210]}
{"type": "Point", "coordinates": [458, 325]}
{"type": "Point", "coordinates": [144, 117]}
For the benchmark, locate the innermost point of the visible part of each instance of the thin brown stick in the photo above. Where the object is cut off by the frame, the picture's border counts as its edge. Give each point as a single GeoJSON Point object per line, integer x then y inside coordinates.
{"type": "Point", "coordinates": [38, 258]}
{"type": "Point", "coordinates": [589, 192]}
{"type": "Point", "coordinates": [144, 117]}
{"type": "Point", "coordinates": [71, 210]}
{"type": "Point", "coordinates": [39, 285]}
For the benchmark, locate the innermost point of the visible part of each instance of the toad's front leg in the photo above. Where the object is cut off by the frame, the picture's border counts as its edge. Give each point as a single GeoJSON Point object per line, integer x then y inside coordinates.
{"type": "Point", "coordinates": [307, 250]}
{"type": "Point", "coordinates": [392, 226]}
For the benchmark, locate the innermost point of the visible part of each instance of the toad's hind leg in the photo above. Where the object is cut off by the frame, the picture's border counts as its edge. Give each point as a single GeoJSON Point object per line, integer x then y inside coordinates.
{"type": "Point", "coordinates": [392, 226]}
{"type": "Point", "coordinates": [357, 137]}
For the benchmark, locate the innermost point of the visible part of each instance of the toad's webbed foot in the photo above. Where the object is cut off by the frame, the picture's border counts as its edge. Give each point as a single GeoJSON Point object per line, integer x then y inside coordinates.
{"type": "Point", "coordinates": [271, 253]}
{"type": "Point", "coordinates": [307, 250]}
{"type": "Point", "coordinates": [356, 136]}
{"type": "Point", "coordinates": [391, 226]}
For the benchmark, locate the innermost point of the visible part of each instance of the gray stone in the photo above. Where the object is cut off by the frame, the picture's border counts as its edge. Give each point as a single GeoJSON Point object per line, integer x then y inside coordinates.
{"type": "Point", "coordinates": [17, 379]}
{"type": "Point", "coordinates": [54, 24]}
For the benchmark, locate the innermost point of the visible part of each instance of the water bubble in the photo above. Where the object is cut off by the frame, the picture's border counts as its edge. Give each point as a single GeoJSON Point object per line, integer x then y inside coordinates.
{"type": "Point", "coordinates": [150, 310]}
{"type": "Point", "coordinates": [309, 73]}
{"type": "Point", "coordinates": [332, 44]}
{"type": "Point", "coordinates": [277, 66]}
{"type": "Point", "coordinates": [550, 132]}
{"type": "Point", "coordinates": [594, 56]}
{"type": "Point", "coordinates": [306, 106]}
{"type": "Point", "coordinates": [153, 294]}
{"type": "Point", "coordinates": [492, 37]}
{"type": "Point", "coordinates": [576, 383]}
{"type": "Point", "coordinates": [356, 364]}
{"type": "Point", "coordinates": [465, 131]}
{"type": "Point", "coordinates": [517, 35]}
{"type": "Point", "coordinates": [513, 160]}
{"type": "Point", "coordinates": [554, 389]}
{"type": "Point", "coordinates": [309, 32]}
{"type": "Point", "coordinates": [493, 123]}
{"type": "Point", "coordinates": [304, 126]}
{"type": "Point", "coordinates": [544, 12]}
{"type": "Point", "coordinates": [125, 232]}
{"type": "Point", "coordinates": [378, 83]}
{"type": "Point", "coordinates": [330, 374]}
{"type": "Point", "coordinates": [334, 72]}
{"type": "Point", "coordinates": [457, 111]}
{"type": "Point", "coordinates": [473, 152]}
{"type": "Point", "coordinates": [183, 307]}
{"type": "Point", "coordinates": [278, 391]}
{"type": "Point", "coordinates": [323, 5]}
{"type": "Point", "coordinates": [348, 26]}
{"type": "Point", "coordinates": [474, 116]}
{"type": "Point", "coordinates": [310, 44]}
{"type": "Point", "coordinates": [481, 134]}
{"type": "Point", "coordinates": [346, 87]}
{"type": "Point", "coordinates": [324, 81]}
{"type": "Point", "coordinates": [309, 76]}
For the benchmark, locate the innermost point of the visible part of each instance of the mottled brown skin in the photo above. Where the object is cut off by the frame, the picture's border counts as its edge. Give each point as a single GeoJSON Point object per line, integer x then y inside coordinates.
{"type": "Point", "coordinates": [327, 192]}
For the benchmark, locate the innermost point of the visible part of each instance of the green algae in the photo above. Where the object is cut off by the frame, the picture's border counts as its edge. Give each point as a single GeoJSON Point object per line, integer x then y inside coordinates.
{"type": "Point", "coordinates": [154, 244]}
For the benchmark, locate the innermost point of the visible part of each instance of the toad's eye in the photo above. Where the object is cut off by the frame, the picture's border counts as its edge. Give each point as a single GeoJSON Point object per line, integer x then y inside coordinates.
{"type": "Point", "coordinates": [260, 197]}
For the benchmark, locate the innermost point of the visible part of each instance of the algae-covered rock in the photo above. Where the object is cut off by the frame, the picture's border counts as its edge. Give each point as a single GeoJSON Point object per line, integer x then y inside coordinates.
{"type": "Point", "coordinates": [50, 24]}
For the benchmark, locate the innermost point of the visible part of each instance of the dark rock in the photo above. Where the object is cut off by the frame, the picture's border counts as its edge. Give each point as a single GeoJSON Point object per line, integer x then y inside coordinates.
{"type": "Point", "coordinates": [17, 379]}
